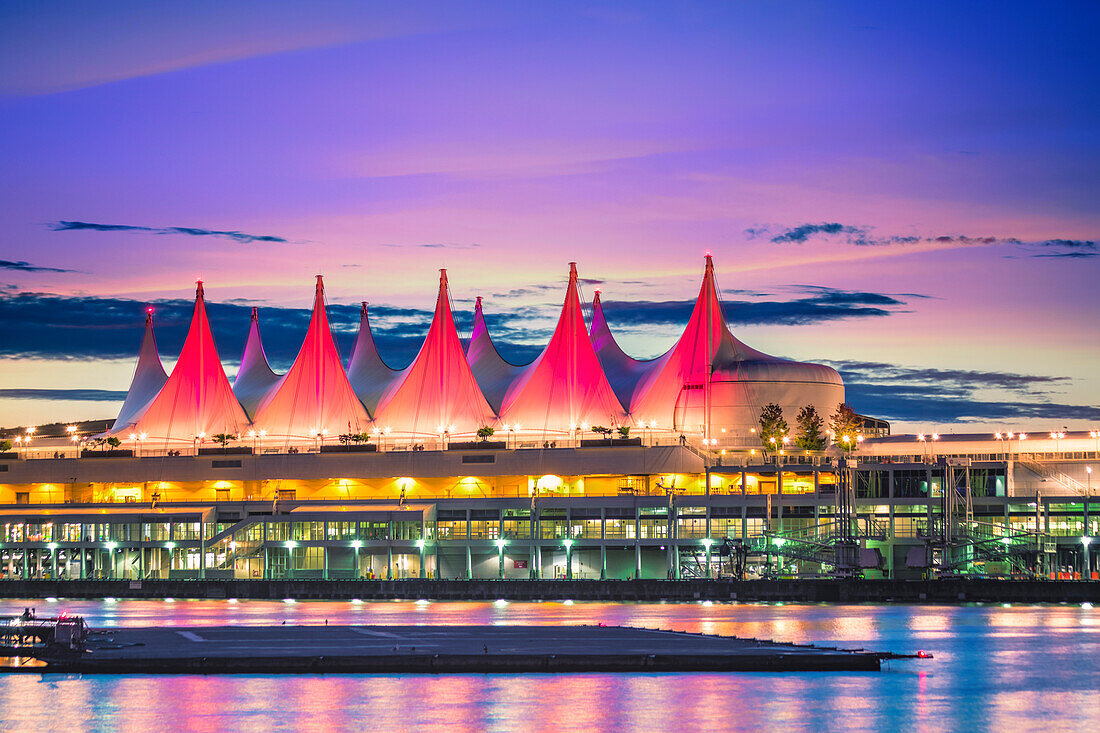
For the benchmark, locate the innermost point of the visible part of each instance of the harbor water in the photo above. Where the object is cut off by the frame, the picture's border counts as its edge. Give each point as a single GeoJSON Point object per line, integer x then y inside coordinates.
{"type": "Point", "coordinates": [999, 668]}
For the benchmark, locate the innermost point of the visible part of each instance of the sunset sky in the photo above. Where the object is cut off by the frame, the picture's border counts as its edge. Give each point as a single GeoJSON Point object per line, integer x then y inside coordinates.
{"type": "Point", "coordinates": [906, 191]}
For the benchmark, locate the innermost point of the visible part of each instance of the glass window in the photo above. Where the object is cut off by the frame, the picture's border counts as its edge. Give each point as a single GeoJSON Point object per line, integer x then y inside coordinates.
{"type": "Point", "coordinates": [910, 483]}
{"type": "Point", "coordinates": [725, 527]}
{"type": "Point", "coordinates": [654, 529]}
{"type": "Point", "coordinates": [484, 530]}
{"type": "Point", "coordinates": [450, 529]}
{"type": "Point", "coordinates": [692, 527]}
{"type": "Point", "coordinates": [516, 528]}
{"type": "Point", "coordinates": [619, 529]}
{"type": "Point", "coordinates": [554, 529]}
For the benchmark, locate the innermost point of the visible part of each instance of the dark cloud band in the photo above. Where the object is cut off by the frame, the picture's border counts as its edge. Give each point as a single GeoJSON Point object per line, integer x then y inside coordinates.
{"type": "Point", "coordinates": [22, 266]}
{"type": "Point", "coordinates": [69, 226]}
{"type": "Point", "coordinates": [864, 236]}
{"type": "Point", "coordinates": [944, 396]}
{"type": "Point", "coordinates": [79, 395]}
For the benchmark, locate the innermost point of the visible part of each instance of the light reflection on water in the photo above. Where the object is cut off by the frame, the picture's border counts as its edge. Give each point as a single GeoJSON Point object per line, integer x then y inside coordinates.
{"type": "Point", "coordinates": [996, 668]}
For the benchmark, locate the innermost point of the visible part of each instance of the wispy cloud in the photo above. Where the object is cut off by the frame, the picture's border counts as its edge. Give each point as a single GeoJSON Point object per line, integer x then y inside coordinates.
{"type": "Point", "coordinates": [865, 236]}
{"type": "Point", "coordinates": [22, 266]}
{"type": "Point", "coordinates": [803, 232]}
{"type": "Point", "coordinates": [82, 395]}
{"type": "Point", "coordinates": [436, 245]}
{"type": "Point", "coordinates": [69, 226]}
{"type": "Point", "coordinates": [524, 292]}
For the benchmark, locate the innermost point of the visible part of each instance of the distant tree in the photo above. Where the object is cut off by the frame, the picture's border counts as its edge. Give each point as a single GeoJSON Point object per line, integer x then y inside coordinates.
{"type": "Point", "coordinates": [360, 437]}
{"type": "Point", "coordinates": [113, 442]}
{"type": "Point", "coordinates": [624, 431]}
{"type": "Point", "coordinates": [485, 432]}
{"type": "Point", "coordinates": [845, 423]}
{"type": "Point", "coordinates": [811, 430]}
{"type": "Point", "coordinates": [224, 439]}
{"type": "Point", "coordinates": [772, 425]}
{"type": "Point", "coordinates": [5, 445]}
{"type": "Point", "coordinates": [602, 430]}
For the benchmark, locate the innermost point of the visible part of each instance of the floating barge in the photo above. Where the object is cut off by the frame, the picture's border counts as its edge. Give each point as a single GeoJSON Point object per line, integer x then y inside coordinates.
{"type": "Point", "coordinates": [418, 649]}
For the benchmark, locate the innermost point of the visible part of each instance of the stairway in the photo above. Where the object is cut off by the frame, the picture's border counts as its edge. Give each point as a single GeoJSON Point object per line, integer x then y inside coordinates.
{"type": "Point", "coordinates": [1049, 474]}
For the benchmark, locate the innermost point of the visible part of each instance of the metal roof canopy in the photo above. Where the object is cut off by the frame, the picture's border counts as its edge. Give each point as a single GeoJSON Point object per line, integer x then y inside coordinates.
{"type": "Point", "coordinates": [114, 515]}
{"type": "Point", "coordinates": [364, 512]}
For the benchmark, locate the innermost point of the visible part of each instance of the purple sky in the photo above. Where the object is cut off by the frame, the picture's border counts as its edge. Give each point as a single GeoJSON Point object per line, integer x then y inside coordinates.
{"type": "Point", "coordinates": [383, 141]}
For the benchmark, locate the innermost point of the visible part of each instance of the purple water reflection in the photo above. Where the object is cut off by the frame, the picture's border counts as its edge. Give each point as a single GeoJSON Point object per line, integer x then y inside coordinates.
{"type": "Point", "coordinates": [1003, 668]}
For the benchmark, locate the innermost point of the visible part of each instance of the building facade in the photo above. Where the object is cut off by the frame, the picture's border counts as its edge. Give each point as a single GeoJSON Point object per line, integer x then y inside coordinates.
{"type": "Point", "coordinates": [665, 509]}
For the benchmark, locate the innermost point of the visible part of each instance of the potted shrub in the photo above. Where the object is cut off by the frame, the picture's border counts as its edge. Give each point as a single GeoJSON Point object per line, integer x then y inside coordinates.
{"type": "Point", "coordinates": [351, 443]}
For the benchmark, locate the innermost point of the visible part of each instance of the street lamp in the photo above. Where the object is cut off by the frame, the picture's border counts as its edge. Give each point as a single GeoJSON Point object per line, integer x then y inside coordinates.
{"type": "Point", "coordinates": [568, 559]}
{"type": "Point", "coordinates": [1085, 574]}
{"type": "Point", "coordinates": [500, 555]}
{"type": "Point", "coordinates": [707, 542]}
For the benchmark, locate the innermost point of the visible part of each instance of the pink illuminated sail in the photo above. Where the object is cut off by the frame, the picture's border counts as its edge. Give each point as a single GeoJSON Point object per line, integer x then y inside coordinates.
{"type": "Point", "coordinates": [566, 385]}
{"type": "Point", "coordinates": [314, 396]}
{"type": "Point", "coordinates": [196, 401]}
{"type": "Point", "coordinates": [438, 390]}
{"type": "Point", "coordinates": [677, 382]}
{"type": "Point", "coordinates": [493, 373]}
{"type": "Point", "coordinates": [368, 373]}
{"type": "Point", "coordinates": [709, 363]}
{"type": "Point", "coordinates": [149, 378]}
{"type": "Point", "coordinates": [254, 376]}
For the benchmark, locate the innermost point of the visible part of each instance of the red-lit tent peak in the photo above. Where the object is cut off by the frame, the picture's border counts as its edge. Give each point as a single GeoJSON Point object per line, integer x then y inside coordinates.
{"type": "Point", "coordinates": [196, 399]}
{"type": "Point", "coordinates": [566, 384]}
{"type": "Point", "coordinates": [705, 346]}
{"type": "Point", "coordinates": [314, 396]}
{"type": "Point", "coordinates": [438, 388]}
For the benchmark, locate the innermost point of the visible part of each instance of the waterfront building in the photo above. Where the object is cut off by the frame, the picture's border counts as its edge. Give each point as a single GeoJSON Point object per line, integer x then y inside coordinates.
{"type": "Point", "coordinates": [658, 510]}
{"type": "Point", "coordinates": [464, 465]}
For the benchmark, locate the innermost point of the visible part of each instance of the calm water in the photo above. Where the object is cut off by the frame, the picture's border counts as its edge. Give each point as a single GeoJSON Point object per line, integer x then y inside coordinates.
{"type": "Point", "coordinates": [996, 668]}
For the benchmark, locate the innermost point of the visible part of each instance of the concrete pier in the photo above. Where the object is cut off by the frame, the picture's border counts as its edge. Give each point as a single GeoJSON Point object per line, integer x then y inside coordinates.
{"type": "Point", "coordinates": [437, 649]}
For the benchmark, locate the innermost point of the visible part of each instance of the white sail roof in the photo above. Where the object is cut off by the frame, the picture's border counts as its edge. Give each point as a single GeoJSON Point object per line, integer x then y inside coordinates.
{"type": "Point", "coordinates": [255, 377]}
{"type": "Point", "coordinates": [368, 373]}
{"type": "Point", "coordinates": [149, 378]}
{"type": "Point", "coordinates": [494, 374]}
